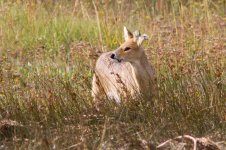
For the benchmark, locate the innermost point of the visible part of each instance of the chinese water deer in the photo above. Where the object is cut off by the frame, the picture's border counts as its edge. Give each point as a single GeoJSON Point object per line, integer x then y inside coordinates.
{"type": "Point", "coordinates": [124, 72]}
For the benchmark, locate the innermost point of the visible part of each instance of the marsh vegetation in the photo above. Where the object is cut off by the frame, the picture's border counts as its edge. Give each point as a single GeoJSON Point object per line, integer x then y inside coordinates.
{"type": "Point", "coordinates": [48, 50]}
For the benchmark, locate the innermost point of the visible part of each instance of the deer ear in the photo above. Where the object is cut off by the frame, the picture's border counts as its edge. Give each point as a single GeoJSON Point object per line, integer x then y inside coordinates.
{"type": "Point", "coordinates": [141, 39]}
{"type": "Point", "coordinates": [136, 35]}
{"type": "Point", "coordinates": [127, 34]}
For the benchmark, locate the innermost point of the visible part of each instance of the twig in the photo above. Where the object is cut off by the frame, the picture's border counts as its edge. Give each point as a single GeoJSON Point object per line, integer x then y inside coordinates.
{"type": "Point", "coordinates": [190, 138]}
{"type": "Point", "coordinates": [73, 146]}
{"type": "Point", "coordinates": [164, 144]}
{"type": "Point", "coordinates": [179, 137]}
{"type": "Point", "coordinates": [98, 24]}
{"type": "Point", "coordinates": [205, 142]}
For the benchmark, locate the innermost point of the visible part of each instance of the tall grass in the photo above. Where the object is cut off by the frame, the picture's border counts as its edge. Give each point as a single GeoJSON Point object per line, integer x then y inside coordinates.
{"type": "Point", "coordinates": [47, 54]}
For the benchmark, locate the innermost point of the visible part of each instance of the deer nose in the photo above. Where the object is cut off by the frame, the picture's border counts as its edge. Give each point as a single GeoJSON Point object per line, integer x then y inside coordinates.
{"type": "Point", "coordinates": [113, 56]}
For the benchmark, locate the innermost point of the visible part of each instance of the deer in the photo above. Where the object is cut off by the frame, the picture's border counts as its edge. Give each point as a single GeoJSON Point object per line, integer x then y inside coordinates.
{"type": "Point", "coordinates": [124, 72]}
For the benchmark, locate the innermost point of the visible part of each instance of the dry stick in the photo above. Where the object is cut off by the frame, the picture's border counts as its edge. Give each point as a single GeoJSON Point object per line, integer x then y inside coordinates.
{"type": "Point", "coordinates": [82, 8]}
{"type": "Point", "coordinates": [164, 143]}
{"type": "Point", "coordinates": [180, 137]}
{"type": "Point", "coordinates": [190, 138]}
{"type": "Point", "coordinates": [98, 24]}
{"type": "Point", "coordinates": [84, 12]}
{"type": "Point", "coordinates": [103, 134]}
{"type": "Point", "coordinates": [75, 6]}
{"type": "Point", "coordinates": [73, 146]}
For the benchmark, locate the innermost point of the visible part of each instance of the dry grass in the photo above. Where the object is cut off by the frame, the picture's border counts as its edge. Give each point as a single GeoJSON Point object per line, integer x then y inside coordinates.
{"type": "Point", "coordinates": [47, 53]}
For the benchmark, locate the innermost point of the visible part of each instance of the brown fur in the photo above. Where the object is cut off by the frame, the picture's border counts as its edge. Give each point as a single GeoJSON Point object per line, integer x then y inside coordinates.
{"type": "Point", "coordinates": [127, 74]}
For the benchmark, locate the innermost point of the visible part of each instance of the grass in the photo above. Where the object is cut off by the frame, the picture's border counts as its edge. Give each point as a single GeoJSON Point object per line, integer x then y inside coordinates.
{"type": "Point", "coordinates": [48, 51]}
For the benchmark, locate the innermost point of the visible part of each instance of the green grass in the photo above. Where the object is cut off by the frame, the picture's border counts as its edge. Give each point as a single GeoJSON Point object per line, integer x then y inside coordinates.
{"type": "Point", "coordinates": [47, 54]}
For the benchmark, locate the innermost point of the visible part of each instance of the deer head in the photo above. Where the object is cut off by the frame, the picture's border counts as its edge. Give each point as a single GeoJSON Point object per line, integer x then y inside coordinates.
{"type": "Point", "coordinates": [130, 50]}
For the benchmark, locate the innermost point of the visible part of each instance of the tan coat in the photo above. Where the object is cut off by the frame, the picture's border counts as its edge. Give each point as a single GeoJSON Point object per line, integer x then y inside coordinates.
{"type": "Point", "coordinates": [123, 73]}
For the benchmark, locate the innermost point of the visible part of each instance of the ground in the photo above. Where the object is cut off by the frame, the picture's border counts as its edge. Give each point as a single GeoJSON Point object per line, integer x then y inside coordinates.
{"type": "Point", "coordinates": [47, 56]}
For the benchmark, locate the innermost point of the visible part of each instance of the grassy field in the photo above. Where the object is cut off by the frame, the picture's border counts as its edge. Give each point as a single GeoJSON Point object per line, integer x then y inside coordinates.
{"type": "Point", "coordinates": [48, 51]}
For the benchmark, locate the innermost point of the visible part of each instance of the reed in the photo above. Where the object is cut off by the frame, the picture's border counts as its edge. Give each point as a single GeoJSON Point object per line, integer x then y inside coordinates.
{"type": "Point", "coordinates": [47, 52]}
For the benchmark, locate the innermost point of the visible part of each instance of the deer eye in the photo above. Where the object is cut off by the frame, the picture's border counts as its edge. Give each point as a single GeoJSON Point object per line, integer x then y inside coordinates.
{"type": "Point", "coordinates": [127, 48]}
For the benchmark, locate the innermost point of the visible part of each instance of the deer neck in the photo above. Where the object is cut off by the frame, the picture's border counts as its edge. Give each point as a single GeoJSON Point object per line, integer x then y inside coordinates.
{"type": "Point", "coordinates": [140, 74]}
